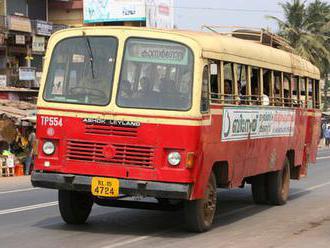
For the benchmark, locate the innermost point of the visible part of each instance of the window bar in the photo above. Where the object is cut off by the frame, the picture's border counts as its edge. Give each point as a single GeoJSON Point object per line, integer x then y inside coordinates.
{"type": "Point", "coordinates": [282, 89]}
{"type": "Point", "coordinates": [248, 84]}
{"type": "Point", "coordinates": [306, 92]}
{"type": "Point", "coordinates": [271, 88]}
{"type": "Point", "coordinates": [261, 86]}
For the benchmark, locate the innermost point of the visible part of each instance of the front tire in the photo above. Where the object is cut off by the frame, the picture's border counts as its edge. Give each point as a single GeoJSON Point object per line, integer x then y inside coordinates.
{"type": "Point", "coordinates": [74, 206]}
{"type": "Point", "coordinates": [279, 184]}
{"type": "Point", "coordinates": [199, 214]}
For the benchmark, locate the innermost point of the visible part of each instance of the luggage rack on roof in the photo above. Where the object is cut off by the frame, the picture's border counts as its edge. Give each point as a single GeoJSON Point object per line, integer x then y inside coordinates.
{"type": "Point", "coordinates": [261, 36]}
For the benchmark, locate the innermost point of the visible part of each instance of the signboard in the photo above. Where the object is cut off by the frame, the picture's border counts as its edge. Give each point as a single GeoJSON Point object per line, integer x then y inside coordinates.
{"type": "Point", "coordinates": [19, 23]}
{"type": "Point", "coordinates": [2, 39]}
{"type": "Point", "coordinates": [3, 80]}
{"type": "Point", "coordinates": [43, 28]}
{"type": "Point", "coordinates": [160, 13]}
{"type": "Point", "coordinates": [27, 73]}
{"type": "Point", "coordinates": [247, 123]}
{"type": "Point", "coordinates": [19, 39]}
{"type": "Point", "coordinates": [157, 52]}
{"type": "Point", "coordinates": [114, 10]}
{"type": "Point", "coordinates": [38, 44]}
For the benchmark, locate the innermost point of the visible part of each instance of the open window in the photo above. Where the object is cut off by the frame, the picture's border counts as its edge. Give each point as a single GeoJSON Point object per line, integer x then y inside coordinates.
{"type": "Point", "coordinates": [230, 84]}
{"type": "Point", "coordinates": [256, 86]}
{"type": "Point", "coordinates": [316, 94]}
{"type": "Point", "coordinates": [243, 84]}
{"type": "Point", "coordinates": [215, 81]}
{"type": "Point", "coordinates": [205, 90]}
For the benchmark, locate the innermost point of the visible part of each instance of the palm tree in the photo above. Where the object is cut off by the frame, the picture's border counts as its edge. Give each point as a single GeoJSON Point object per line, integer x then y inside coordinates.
{"type": "Point", "coordinates": [307, 29]}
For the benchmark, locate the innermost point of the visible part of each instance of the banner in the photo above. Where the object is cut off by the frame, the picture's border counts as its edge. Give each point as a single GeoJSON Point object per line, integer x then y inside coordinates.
{"type": "Point", "coordinates": [114, 10]}
{"type": "Point", "coordinates": [43, 28]}
{"type": "Point", "coordinates": [38, 43]}
{"type": "Point", "coordinates": [19, 39]}
{"type": "Point", "coordinates": [3, 80]}
{"type": "Point", "coordinates": [27, 73]}
{"type": "Point", "coordinates": [19, 23]}
{"type": "Point", "coordinates": [248, 123]}
{"type": "Point", "coordinates": [160, 14]}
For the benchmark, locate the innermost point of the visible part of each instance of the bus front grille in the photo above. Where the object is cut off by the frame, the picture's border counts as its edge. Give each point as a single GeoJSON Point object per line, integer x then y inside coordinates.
{"type": "Point", "coordinates": [124, 154]}
{"type": "Point", "coordinates": [111, 130]}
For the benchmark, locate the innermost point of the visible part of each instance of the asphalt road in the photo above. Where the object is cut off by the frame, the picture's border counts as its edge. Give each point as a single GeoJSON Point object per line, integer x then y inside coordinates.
{"type": "Point", "coordinates": [29, 217]}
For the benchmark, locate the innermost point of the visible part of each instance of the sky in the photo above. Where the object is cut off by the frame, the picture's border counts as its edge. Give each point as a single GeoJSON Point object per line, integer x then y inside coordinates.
{"type": "Point", "coordinates": [191, 14]}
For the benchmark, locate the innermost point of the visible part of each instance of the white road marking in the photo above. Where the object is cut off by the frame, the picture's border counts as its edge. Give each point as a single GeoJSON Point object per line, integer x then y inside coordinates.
{"type": "Point", "coordinates": [320, 158]}
{"type": "Point", "coordinates": [138, 239]}
{"type": "Point", "coordinates": [233, 212]}
{"type": "Point", "coordinates": [27, 208]}
{"type": "Point", "coordinates": [17, 190]}
{"type": "Point", "coordinates": [311, 188]}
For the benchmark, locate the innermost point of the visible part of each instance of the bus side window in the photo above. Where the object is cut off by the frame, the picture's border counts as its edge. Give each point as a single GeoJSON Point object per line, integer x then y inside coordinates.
{"type": "Point", "coordinates": [228, 82]}
{"type": "Point", "coordinates": [214, 79]}
{"type": "Point", "coordinates": [267, 92]}
{"type": "Point", "coordinates": [205, 90]}
{"type": "Point", "coordinates": [287, 90]}
{"type": "Point", "coordinates": [296, 91]}
{"type": "Point", "coordinates": [255, 84]}
{"type": "Point", "coordinates": [302, 82]}
{"type": "Point", "coordinates": [310, 98]}
{"type": "Point", "coordinates": [242, 84]}
{"type": "Point", "coordinates": [316, 94]}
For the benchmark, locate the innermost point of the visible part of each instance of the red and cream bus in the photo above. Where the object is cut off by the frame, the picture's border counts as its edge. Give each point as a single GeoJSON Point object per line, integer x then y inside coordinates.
{"type": "Point", "coordinates": [171, 116]}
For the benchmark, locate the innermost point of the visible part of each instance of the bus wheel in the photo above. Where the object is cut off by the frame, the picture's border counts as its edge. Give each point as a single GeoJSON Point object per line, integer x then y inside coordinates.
{"type": "Point", "coordinates": [199, 214]}
{"type": "Point", "coordinates": [259, 190]}
{"type": "Point", "coordinates": [278, 185]}
{"type": "Point", "coordinates": [74, 206]}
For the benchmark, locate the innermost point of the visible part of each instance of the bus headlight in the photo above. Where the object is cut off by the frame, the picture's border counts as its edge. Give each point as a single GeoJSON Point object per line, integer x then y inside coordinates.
{"type": "Point", "coordinates": [48, 148]}
{"type": "Point", "coordinates": [174, 158]}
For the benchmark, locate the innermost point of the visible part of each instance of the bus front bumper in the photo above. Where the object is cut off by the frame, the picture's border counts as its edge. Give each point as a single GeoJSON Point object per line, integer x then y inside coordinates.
{"type": "Point", "coordinates": [127, 186]}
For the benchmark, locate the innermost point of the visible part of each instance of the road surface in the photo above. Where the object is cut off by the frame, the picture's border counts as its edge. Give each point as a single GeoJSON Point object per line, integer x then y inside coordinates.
{"type": "Point", "coordinates": [29, 217]}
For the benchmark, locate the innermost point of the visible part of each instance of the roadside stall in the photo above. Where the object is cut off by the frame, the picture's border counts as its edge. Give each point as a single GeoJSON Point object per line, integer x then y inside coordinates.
{"type": "Point", "coordinates": [17, 123]}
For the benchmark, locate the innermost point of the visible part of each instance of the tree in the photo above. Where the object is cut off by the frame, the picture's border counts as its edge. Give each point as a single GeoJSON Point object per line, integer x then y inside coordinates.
{"type": "Point", "coordinates": [307, 29]}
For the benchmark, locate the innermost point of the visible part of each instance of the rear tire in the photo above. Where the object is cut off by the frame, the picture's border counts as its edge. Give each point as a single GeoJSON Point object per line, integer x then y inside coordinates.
{"type": "Point", "coordinates": [199, 214]}
{"type": "Point", "coordinates": [259, 189]}
{"type": "Point", "coordinates": [279, 184]}
{"type": "Point", "coordinates": [74, 206]}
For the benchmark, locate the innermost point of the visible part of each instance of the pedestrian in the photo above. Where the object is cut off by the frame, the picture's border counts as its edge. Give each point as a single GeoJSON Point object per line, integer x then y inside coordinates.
{"type": "Point", "coordinates": [327, 136]}
{"type": "Point", "coordinates": [30, 151]}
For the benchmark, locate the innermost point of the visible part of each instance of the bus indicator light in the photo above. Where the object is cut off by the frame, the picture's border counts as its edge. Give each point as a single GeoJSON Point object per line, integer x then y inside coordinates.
{"type": "Point", "coordinates": [190, 160]}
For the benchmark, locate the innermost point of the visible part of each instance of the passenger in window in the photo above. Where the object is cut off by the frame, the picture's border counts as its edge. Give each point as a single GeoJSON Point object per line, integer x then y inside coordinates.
{"type": "Point", "coordinates": [186, 82]}
{"type": "Point", "coordinates": [254, 91]}
{"type": "Point", "coordinates": [228, 91]}
{"type": "Point", "coordinates": [265, 98]}
{"type": "Point", "coordinates": [125, 89]}
{"type": "Point", "coordinates": [146, 87]}
{"type": "Point", "coordinates": [287, 100]}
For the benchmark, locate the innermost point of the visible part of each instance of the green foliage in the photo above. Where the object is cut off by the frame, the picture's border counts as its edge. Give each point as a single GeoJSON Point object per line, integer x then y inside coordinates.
{"type": "Point", "coordinates": [307, 29]}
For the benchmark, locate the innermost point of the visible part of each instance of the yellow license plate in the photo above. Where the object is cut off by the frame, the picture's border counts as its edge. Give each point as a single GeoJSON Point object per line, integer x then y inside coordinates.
{"type": "Point", "coordinates": [106, 187]}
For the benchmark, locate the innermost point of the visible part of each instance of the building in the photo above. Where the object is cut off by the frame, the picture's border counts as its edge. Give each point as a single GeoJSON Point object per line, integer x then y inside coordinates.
{"type": "Point", "coordinates": [24, 32]}
{"type": "Point", "coordinates": [69, 12]}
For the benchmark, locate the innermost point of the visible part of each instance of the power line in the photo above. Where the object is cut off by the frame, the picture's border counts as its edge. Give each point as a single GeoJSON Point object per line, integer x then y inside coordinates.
{"type": "Point", "coordinates": [229, 9]}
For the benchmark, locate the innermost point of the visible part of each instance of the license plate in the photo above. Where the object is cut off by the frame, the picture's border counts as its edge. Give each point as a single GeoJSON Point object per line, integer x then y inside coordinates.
{"type": "Point", "coordinates": [106, 187]}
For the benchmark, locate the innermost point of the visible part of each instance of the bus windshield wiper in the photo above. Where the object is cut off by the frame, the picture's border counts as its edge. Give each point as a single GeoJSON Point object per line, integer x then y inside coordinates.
{"type": "Point", "coordinates": [91, 56]}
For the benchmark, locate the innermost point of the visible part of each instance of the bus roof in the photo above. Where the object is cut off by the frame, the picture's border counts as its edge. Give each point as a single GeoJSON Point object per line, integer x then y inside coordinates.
{"type": "Point", "coordinates": [227, 48]}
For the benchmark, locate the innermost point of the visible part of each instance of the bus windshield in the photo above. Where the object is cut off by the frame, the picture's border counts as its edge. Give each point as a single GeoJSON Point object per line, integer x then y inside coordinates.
{"type": "Point", "coordinates": [156, 74]}
{"type": "Point", "coordinates": [81, 71]}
